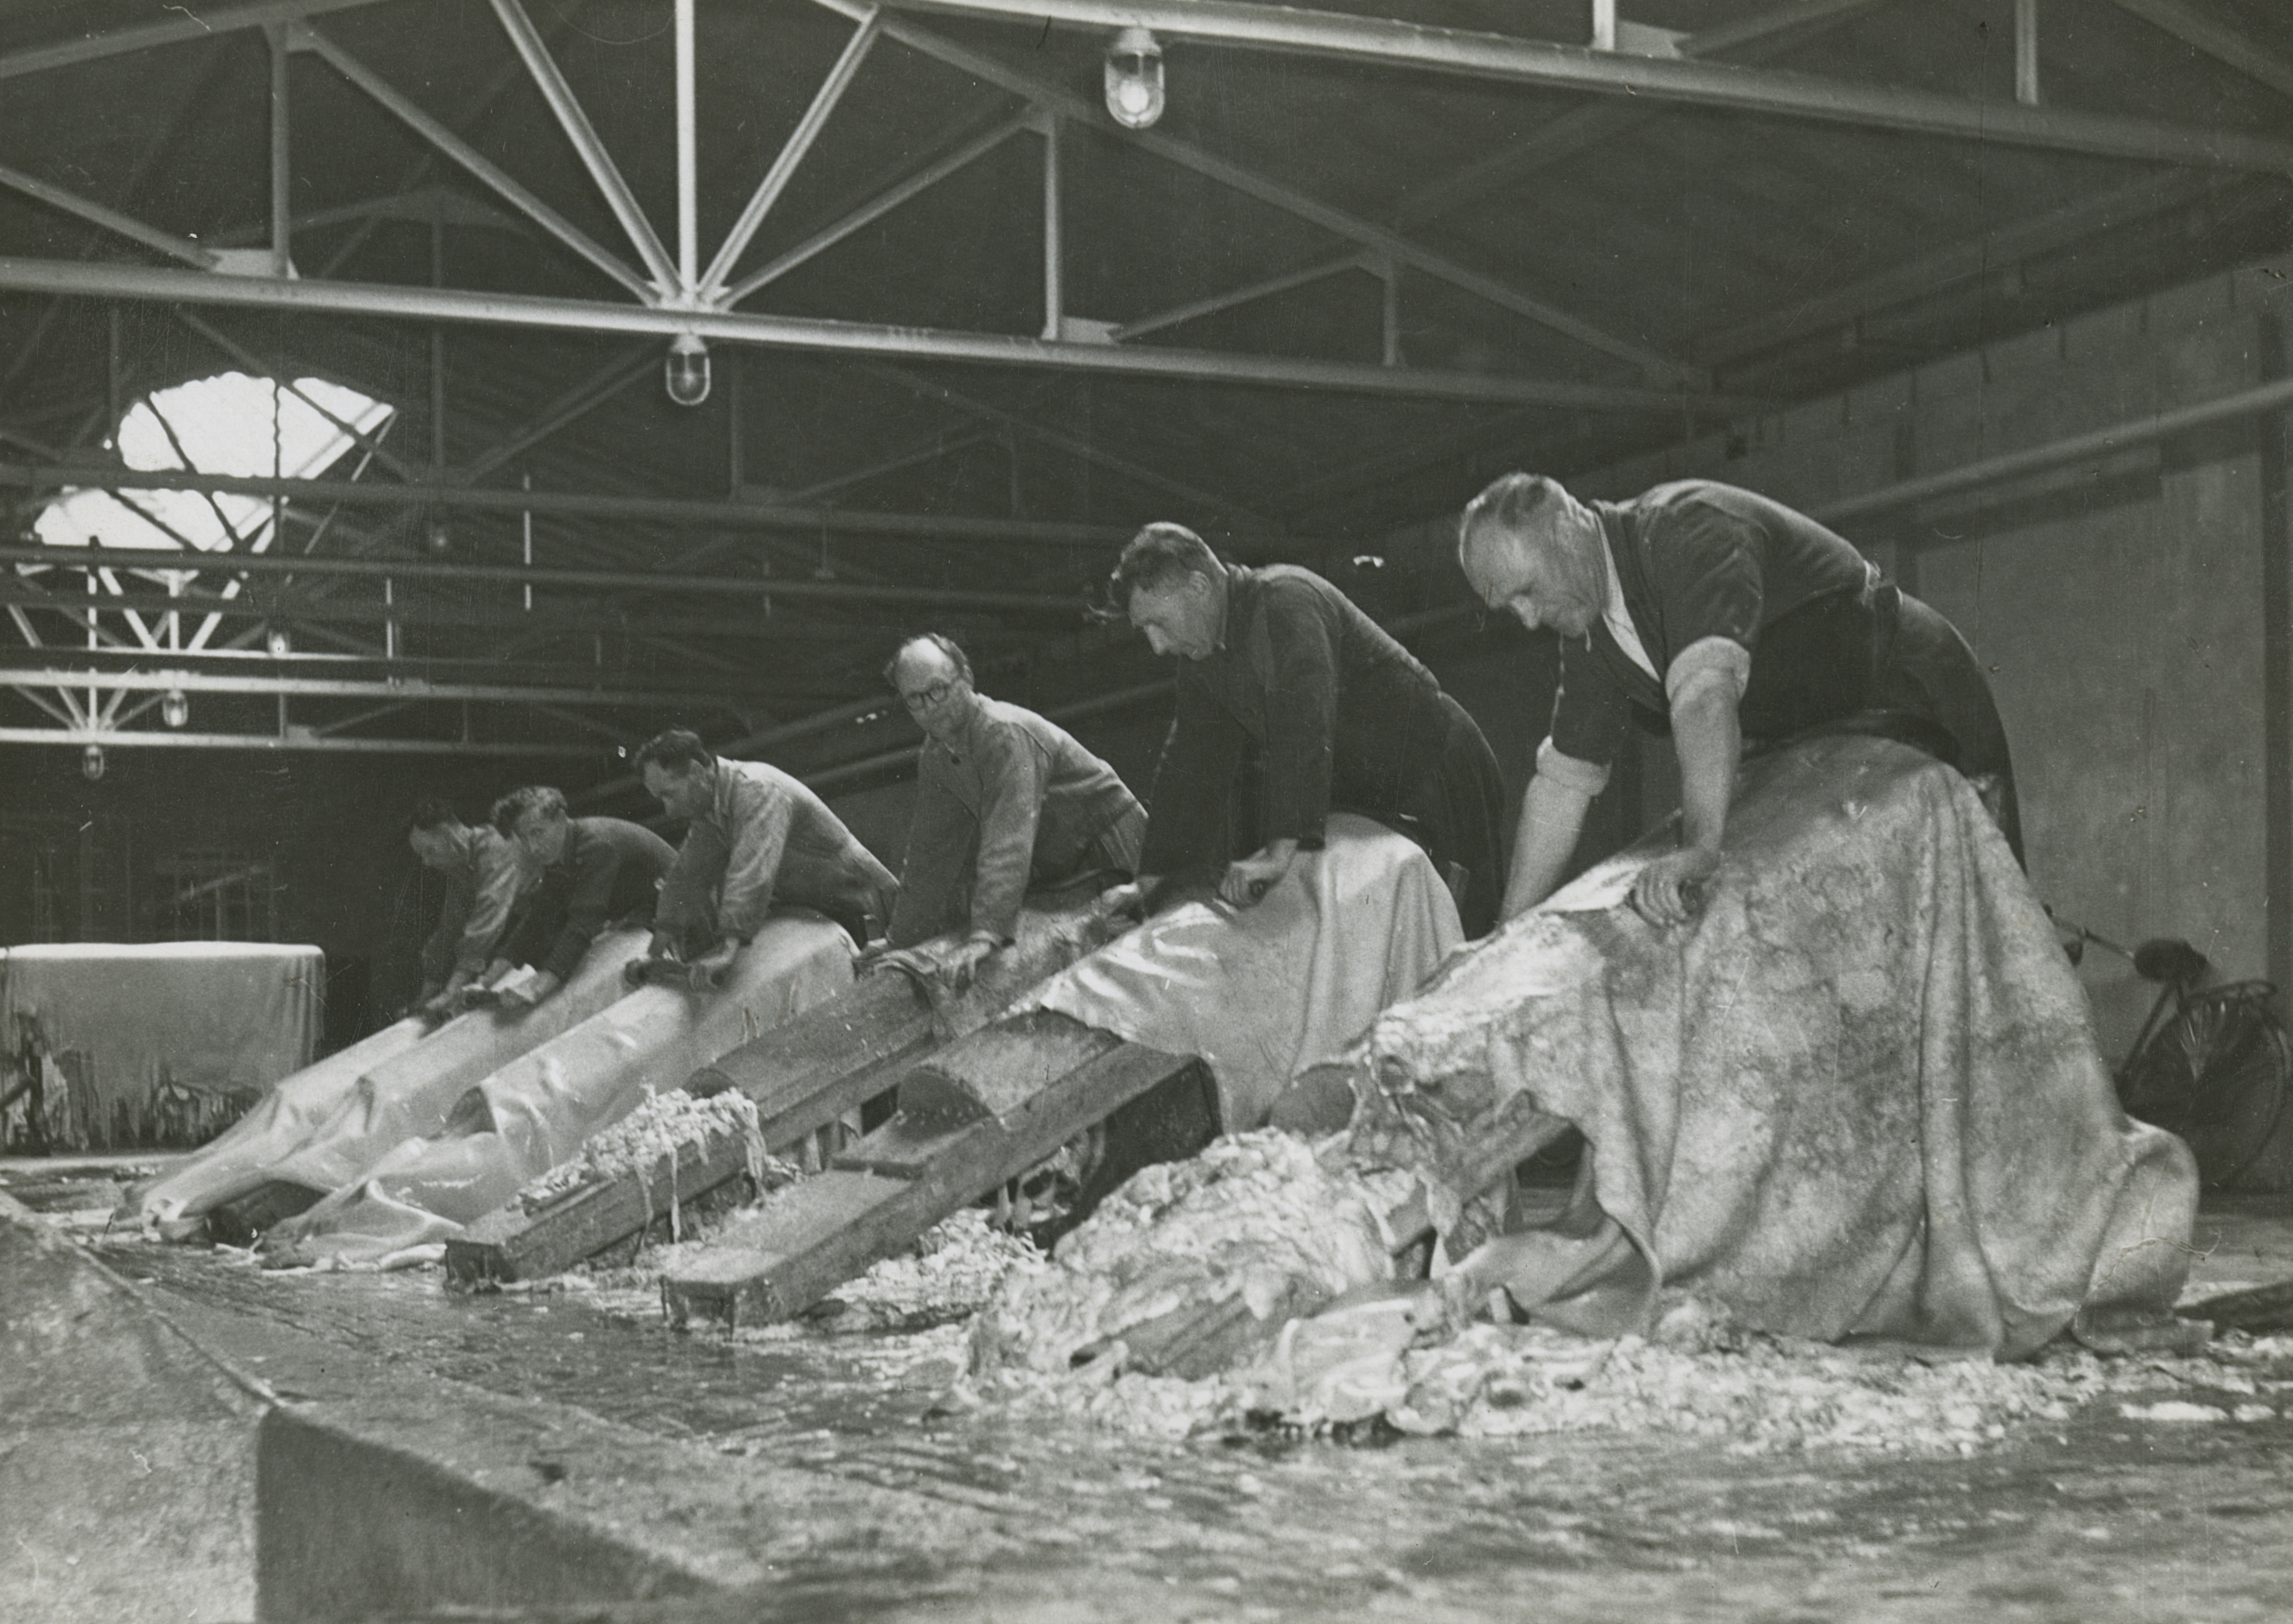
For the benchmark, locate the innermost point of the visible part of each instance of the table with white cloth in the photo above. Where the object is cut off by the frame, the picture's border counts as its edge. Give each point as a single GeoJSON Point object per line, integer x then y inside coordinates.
{"type": "Point", "coordinates": [116, 1046]}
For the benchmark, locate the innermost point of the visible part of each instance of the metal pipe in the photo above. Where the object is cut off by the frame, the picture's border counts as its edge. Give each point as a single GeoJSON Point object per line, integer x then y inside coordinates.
{"type": "Point", "coordinates": [110, 219]}
{"type": "Point", "coordinates": [2101, 443]}
{"type": "Point", "coordinates": [1524, 62]}
{"type": "Point", "coordinates": [282, 198]}
{"type": "Point", "coordinates": [1250, 293]}
{"type": "Point", "coordinates": [423, 569]}
{"type": "Point", "coordinates": [454, 147]}
{"type": "Point", "coordinates": [1054, 295]}
{"type": "Point", "coordinates": [544, 70]}
{"type": "Point", "coordinates": [2026, 52]}
{"type": "Point", "coordinates": [406, 689]}
{"type": "Point", "coordinates": [688, 157]}
{"type": "Point", "coordinates": [661, 509]}
{"type": "Point", "coordinates": [120, 42]}
{"type": "Point", "coordinates": [791, 153]}
{"type": "Point", "coordinates": [290, 739]}
{"type": "Point", "coordinates": [883, 203]}
{"type": "Point", "coordinates": [1604, 25]}
{"type": "Point", "coordinates": [77, 280]}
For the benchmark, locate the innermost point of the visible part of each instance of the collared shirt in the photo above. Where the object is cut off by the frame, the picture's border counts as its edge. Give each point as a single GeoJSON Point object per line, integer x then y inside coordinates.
{"type": "Point", "coordinates": [777, 837]}
{"type": "Point", "coordinates": [483, 883]}
{"type": "Point", "coordinates": [1336, 708]}
{"type": "Point", "coordinates": [1012, 800]}
{"type": "Point", "coordinates": [1701, 568]}
{"type": "Point", "coordinates": [610, 869]}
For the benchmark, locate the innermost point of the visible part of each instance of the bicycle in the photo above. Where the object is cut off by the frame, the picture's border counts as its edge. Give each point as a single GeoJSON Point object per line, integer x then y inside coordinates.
{"type": "Point", "coordinates": [2212, 1064]}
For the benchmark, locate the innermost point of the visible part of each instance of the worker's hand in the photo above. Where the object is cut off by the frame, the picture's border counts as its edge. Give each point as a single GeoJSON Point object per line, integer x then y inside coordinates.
{"type": "Point", "coordinates": [709, 968]}
{"type": "Point", "coordinates": [526, 996]}
{"type": "Point", "coordinates": [957, 968]}
{"type": "Point", "coordinates": [442, 1004]}
{"type": "Point", "coordinates": [1248, 879]}
{"type": "Point", "coordinates": [1670, 890]}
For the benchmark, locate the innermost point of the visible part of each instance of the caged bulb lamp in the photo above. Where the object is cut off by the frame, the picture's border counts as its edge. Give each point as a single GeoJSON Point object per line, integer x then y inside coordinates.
{"type": "Point", "coordinates": [686, 371]}
{"type": "Point", "coordinates": [91, 763]}
{"type": "Point", "coordinates": [1134, 80]}
{"type": "Point", "coordinates": [175, 708]}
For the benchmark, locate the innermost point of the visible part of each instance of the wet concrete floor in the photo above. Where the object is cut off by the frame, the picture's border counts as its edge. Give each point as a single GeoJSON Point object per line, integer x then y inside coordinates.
{"type": "Point", "coordinates": [2097, 1518]}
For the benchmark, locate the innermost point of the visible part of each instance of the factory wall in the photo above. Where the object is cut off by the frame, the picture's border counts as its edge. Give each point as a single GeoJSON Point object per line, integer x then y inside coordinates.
{"type": "Point", "coordinates": [2118, 604]}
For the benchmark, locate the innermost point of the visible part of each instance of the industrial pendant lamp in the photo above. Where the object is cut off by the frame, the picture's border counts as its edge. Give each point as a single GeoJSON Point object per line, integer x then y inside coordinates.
{"type": "Point", "coordinates": [1134, 80]}
{"type": "Point", "coordinates": [686, 372]}
{"type": "Point", "coordinates": [175, 708]}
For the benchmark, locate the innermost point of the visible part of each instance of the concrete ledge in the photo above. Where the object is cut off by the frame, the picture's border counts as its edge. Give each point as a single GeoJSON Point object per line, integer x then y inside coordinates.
{"type": "Point", "coordinates": [127, 1452]}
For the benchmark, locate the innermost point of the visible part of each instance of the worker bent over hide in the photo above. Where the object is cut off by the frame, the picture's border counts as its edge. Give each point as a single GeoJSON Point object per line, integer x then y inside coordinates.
{"type": "Point", "coordinates": [754, 837]}
{"type": "Point", "coordinates": [1736, 617]}
{"type": "Point", "coordinates": [483, 877]}
{"type": "Point", "coordinates": [1005, 802]}
{"type": "Point", "coordinates": [1341, 716]}
{"type": "Point", "coordinates": [586, 873]}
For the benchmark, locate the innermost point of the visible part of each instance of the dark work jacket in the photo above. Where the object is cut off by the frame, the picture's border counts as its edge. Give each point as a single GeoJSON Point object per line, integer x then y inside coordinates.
{"type": "Point", "coordinates": [1697, 559]}
{"type": "Point", "coordinates": [1014, 802]}
{"type": "Point", "coordinates": [610, 869]}
{"type": "Point", "coordinates": [1339, 712]}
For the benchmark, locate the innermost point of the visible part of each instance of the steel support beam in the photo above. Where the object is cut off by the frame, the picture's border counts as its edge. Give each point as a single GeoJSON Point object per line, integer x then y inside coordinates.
{"type": "Point", "coordinates": [2099, 444]}
{"type": "Point", "coordinates": [543, 68]}
{"type": "Point", "coordinates": [875, 208]}
{"type": "Point", "coordinates": [1514, 60]}
{"type": "Point", "coordinates": [1752, 39]}
{"type": "Point", "coordinates": [389, 98]}
{"type": "Point", "coordinates": [1237, 177]}
{"type": "Point", "coordinates": [111, 220]}
{"type": "Point", "coordinates": [575, 403]}
{"type": "Point", "coordinates": [408, 690]}
{"type": "Point", "coordinates": [426, 569]}
{"type": "Point", "coordinates": [491, 498]}
{"type": "Point", "coordinates": [282, 172]}
{"type": "Point", "coordinates": [207, 25]}
{"type": "Point", "coordinates": [1249, 293]}
{"type": "Point", "coordinates": [297, 740]}
{"type": "Point", "coordinates": [791, 154]}
{"type": "Point", "coordinates": [414, 304]}
{"type": "Point", "coordinates": [2208, 32]}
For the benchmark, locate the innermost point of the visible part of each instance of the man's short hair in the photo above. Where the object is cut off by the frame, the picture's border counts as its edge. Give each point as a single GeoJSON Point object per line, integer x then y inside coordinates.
{"type": "Point", "coordinates": [541, 799]}
{"type": "Point", "coordinates": [673, 750]}
{"type": "Point", "coordinates": [945, 644]}
{"type": "Point", "coordinates": [1511, 502]}
{"type": "Point", "coordinates": [1157, 556]}
{"type": "Point", "coordinates": [431, 812]}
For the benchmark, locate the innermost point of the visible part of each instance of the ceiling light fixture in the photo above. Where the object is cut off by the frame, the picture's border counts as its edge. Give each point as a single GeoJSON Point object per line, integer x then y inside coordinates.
{"type": "Point", "coordinates": [686, 372]}
{"type": "Point", "coordinates": [1134, 80]}
{"type": "Point", "coordinates": [175, 708]}
{"type": "Point", "coordinates": [91, 763]}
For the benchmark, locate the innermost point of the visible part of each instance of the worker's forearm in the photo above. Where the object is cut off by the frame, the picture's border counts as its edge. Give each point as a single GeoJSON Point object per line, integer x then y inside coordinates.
{"type": "Point", "coordinates": [1552, 817]}
{"type": "Point", "coordinates": [1708, 740]}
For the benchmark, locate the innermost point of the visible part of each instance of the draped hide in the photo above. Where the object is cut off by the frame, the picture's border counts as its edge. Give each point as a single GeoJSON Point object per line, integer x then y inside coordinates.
{"type": "Point", "coordinates": [324, 1125]}
{"type": "Point", "coordinates": [1857, 1097]}
{"type": "Point", "coordinates": [537, 1110]}
{"type": "Point", "coordinates": [1264, 992]}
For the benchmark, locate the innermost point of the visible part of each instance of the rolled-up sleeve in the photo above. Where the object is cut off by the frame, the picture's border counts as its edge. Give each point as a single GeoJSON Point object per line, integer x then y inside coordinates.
{"type": "Point", "coordinates": [1201, 758]}
{"type": "Point", "coordinates": [757, 837]}
{"type": "Point", "coordinates": [1301, 678]}
{"type": "Point", "coordinates": [493, 897]}
{"type": "Point", "coordinates": [1013, 774]}
{"type": "Point", "coordinates": [1591, 711]}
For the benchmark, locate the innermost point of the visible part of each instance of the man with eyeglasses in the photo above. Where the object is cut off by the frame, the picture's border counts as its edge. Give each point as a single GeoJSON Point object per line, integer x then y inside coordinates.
{"type": "Point", "coordinates": [1005, 802]}
{"type": "Point", "coordinates": [753, 836]}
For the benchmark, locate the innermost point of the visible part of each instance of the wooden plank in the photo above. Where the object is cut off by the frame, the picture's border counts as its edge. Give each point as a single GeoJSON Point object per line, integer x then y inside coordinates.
{"type": "Point", "coordinates": [787, 1259]}
{"type": "Point", "coordinates": [883, 1012]}
{"type": "Point", "coordinates": [511, 1244]}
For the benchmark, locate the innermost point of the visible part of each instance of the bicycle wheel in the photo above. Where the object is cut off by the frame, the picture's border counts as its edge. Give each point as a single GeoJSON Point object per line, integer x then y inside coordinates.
{"type": "Point", "coordinates": [2220, 1074]}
